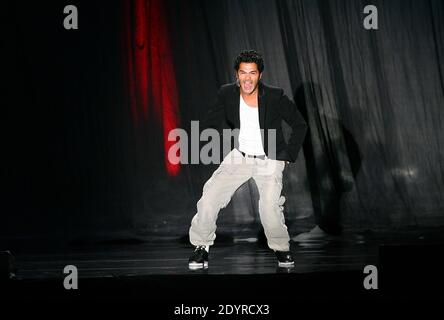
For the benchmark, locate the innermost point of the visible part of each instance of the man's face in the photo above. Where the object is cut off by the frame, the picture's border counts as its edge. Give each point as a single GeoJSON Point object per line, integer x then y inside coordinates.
{"type": "Point", "coordinates": [248, 76]}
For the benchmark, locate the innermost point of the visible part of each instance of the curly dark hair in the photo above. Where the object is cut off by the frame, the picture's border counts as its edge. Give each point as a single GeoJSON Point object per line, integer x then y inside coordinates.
{"type": "Point", "coordinates": [249, 56]}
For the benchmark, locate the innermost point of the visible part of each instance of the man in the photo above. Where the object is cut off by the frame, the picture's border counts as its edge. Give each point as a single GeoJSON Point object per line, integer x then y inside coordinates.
{"type": "Point", "coordinates": [256, 110]}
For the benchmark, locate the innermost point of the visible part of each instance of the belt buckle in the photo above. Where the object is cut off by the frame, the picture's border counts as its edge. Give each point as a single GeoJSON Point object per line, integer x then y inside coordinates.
{"type": "Point", "coordinates": [252, 156]}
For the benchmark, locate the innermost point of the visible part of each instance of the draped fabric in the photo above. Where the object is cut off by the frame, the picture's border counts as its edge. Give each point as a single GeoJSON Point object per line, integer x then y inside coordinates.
{"type": "Point", "coordinates": [151, 82]}
{"type": "Point", "coordinates": [372, 96]}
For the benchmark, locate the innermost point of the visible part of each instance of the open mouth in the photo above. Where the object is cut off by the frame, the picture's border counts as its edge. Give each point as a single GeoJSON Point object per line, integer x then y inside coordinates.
{"type": "Point", "coordinates": [248, 85]}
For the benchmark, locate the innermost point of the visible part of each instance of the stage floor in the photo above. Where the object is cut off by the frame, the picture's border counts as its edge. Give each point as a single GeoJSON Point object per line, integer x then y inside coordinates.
{"type": "Point", "coordinates": [156, 269]}
{"type": "Point", "coordinates": [170, 257]}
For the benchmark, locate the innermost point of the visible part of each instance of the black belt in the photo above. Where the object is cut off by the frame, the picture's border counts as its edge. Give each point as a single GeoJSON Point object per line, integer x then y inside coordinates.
{"type": "Point", "coordinates": [252, 156]}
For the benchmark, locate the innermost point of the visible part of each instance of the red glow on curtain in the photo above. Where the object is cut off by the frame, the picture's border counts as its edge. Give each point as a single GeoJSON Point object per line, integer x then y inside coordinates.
{"type": "Point", "coordinates": [150, 70]}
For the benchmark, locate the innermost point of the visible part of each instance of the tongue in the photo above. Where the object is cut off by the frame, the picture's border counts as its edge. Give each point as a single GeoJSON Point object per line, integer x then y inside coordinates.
{"type": "Point", "coordinates": [248, 86]}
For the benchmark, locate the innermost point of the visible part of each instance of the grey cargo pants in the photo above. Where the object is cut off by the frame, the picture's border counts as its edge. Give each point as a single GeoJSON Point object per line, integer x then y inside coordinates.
{"type": "Point", "coordinates": [234, 170]}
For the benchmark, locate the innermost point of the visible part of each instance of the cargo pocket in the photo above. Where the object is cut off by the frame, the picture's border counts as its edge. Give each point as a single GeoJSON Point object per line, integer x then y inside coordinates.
{"type": "Point", "coordinates": [210, 181]}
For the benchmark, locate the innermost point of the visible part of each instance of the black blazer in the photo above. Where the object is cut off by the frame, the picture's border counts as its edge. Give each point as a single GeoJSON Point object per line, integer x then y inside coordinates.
{"type": "Point", "coordinates": [274, 106]}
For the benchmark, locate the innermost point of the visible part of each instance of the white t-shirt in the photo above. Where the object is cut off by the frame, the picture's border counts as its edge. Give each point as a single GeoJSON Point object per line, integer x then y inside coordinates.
{"type": "Point", "coordinates": [250, 140]}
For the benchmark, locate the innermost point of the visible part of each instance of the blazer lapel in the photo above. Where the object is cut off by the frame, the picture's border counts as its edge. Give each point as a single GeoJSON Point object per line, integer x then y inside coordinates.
{"type": "Point", "coordinates": [262, 103]}
{"type": "Point", "coordinates": [234, 106]}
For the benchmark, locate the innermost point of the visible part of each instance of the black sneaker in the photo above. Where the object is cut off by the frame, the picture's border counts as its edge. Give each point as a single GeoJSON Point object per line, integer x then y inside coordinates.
{"type": "Point", "coordinates": [199, 259]}
{"type": "Point", "coordinates": [284, 258]}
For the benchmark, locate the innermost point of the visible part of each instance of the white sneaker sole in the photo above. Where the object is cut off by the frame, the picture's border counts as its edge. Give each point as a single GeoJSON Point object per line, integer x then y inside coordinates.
{"type": "Point", "coordinates": [286, 264]}
{"type": "Point", "coordinates": [195, 265]}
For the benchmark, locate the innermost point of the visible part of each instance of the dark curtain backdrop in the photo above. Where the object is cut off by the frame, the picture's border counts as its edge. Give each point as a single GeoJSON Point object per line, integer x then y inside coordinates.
{"type": "Point", "coordinates": [66, 131]}
{"type": "Point", "coordinates": [88, 112]}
